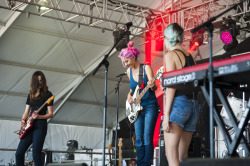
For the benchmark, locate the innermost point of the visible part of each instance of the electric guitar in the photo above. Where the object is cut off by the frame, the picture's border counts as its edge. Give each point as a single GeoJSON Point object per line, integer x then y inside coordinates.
{"type": "Point", "coordinates": [133, 109]}
{"type": "Point", "coordinates": [29, 121]}
{"type": "Point", "coordinates": [133, 140]}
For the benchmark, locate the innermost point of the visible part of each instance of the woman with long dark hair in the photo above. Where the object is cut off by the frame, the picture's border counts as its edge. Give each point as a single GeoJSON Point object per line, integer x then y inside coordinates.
{"type": "Point", "coordinates": [38, 95]}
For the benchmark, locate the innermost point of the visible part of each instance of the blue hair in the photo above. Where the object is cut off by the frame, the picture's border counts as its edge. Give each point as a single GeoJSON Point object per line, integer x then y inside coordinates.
{"type": "Point", "coordinates": [174, 34]}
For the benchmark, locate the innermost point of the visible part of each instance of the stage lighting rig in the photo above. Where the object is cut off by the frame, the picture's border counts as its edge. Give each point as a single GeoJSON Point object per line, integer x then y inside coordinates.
{"type": "Point", "coordinates": [196, 40]}
{"type": "Point", "coordinates": [117, 33]}
{"type": "Point", "coordinates": [11, 3]}
{"type": "Point", "coordinates": [43, 5]}
{"type": "Point", "coordinates": [228, 33]}
{"type": "Point", "coordinates": [246, 17]}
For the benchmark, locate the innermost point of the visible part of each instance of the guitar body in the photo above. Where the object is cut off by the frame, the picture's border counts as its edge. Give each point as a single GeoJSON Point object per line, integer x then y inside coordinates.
{"type": "Point", "coordinates": [133, 109]}
{"type": "Point", "coordinates": [28, 125]}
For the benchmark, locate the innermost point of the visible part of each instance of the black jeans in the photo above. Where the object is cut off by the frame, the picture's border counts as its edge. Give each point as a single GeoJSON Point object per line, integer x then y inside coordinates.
{"type": "Point", "coordinates": [35, 136]}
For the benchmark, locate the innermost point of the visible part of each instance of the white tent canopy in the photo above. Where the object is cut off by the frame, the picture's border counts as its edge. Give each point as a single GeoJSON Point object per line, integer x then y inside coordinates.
{"type": "Point", "coordinates": [67, 53]}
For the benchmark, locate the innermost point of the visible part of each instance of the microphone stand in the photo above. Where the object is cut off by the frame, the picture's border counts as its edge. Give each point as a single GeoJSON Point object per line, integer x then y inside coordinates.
{"type": "Point", "coordinates": [117, 110]}
{"type": "Point", "coordinates": [106, 64]}
{"type": "Point", "coordinates": [198, 54]}
{"type": "Point", "coordinates": [208, 26]}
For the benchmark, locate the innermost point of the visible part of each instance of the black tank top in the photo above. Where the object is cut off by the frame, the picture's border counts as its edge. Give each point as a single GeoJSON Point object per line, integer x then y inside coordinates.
{"type": "Point", "coordinates": [189, 59]}
{"type": "Point", "coordinates": [189, 62]}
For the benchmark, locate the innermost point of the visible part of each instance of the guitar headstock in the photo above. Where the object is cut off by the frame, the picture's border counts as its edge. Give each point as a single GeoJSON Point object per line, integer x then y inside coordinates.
{"type": "Point", "coordinates": [159, 72]}
{"type": "Point", "coordinates": [109, 148]}
{"type": "Point", "coordinates": [120, 142]}
{"type": "Point", "coordinates": [133, 140]}
{"type": "Point", "coordinates": [50, 99]}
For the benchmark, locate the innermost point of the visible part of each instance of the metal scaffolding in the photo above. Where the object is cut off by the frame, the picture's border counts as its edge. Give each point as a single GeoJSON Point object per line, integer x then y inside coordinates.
{"type": "Point", "coordinates": [109, 14]}
{"type": "Point", "coordinates": [102, 14]}
{"type": "Point", "coordinates": [190, 17]}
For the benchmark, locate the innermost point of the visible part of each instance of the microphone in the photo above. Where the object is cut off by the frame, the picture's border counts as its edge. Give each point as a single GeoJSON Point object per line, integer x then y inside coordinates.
{"type": "Point", "coordinates": [128, 25]}
{"type": "Point", "coordinates": [121, 75]}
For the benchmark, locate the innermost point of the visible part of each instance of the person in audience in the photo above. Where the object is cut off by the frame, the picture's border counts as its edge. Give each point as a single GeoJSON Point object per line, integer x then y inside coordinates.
{"type": "Point", "coordinates": [132, 162]}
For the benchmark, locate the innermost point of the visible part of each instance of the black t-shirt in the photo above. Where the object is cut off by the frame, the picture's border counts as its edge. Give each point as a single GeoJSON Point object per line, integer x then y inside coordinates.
{"type": "Point", "coordinates": [36, 104]}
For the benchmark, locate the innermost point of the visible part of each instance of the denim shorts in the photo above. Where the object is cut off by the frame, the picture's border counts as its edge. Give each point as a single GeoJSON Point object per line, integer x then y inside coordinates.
{"type": "Point", "coordinates": [185, 112]}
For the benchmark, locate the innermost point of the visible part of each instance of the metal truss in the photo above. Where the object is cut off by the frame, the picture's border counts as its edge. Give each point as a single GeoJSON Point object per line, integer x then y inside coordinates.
{"type": "Point", "coordinates": [189, 17]}
{"type": "Point", "coordinates": [110, 14]}
{"type": "Point", "coordinates": [102, 14]}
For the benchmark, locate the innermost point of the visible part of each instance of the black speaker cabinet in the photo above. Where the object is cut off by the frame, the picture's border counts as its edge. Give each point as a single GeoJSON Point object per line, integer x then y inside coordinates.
{"type": "Point", "coordinates": [48, 154]}
{"type": "Point", "coordinates": [162, 155]}
{"type": "Point", "coordinates": [216, 162]}
{"type": "Point", "coordinates": [66, 164]}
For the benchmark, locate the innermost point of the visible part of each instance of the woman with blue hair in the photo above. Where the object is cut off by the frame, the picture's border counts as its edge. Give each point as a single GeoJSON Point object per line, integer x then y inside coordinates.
{"type": "Point", "coordinates": [181, 107]}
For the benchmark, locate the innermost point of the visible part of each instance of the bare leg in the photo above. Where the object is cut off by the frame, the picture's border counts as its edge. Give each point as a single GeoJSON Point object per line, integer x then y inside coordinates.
{"type": "Point", "coordinates": [184, 144]}
{"type": "Point", "coordinates": [172, 140]}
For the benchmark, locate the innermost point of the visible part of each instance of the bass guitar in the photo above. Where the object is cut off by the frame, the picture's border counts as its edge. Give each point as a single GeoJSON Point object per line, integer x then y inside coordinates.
{"type": "Point", "coordinates": [29, 121]}
{"type": "Point", "coordinates": [133, 109]}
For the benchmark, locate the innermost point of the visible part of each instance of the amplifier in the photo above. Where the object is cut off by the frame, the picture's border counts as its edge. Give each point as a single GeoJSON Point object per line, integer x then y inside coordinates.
{"type": "Point", "coordinates": [161, 133]}
{"type": "Point", "coordinates": [162, 155]}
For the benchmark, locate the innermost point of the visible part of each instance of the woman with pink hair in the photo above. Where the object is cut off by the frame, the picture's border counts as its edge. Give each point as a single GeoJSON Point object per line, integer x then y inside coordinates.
{"type": "Point", "coordinates": [145, 123]}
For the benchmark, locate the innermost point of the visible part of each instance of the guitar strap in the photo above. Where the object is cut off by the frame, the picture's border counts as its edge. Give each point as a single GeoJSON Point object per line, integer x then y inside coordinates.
{"type": "Point", "coordinates": [140, 76]}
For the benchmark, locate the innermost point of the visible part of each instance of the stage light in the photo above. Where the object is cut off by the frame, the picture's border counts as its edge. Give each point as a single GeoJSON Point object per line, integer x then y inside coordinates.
{"type": "Point", "coordinates": [43, 5]}
{"type": "Point", "coordinates": [124, 41]}
{"type": "Point", "coordinates": [226, 37]}
{"type": "Point", "coordinates": [196, 40]}
{"type": "Point", "coordinates": [246, 17]}
{"type": "Point", "coordinates": [11, 3]}
{"type": "Point", "coordinates": [159, 42]}
{"type": "Point", "coordinates": [193, 47]}
{"type": "Point", "coordinates": [228, 33]}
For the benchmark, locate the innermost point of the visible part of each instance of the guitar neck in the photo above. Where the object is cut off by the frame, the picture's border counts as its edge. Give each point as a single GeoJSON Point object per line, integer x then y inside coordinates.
{"type": "Point", "coordinates": [138, 99]}
{"type": "Point", "coordinates": [40, 108]}
{"type": "Point", "coordinates": [109, 149]}
{"type": "Point", "coordinates": [120, 156]}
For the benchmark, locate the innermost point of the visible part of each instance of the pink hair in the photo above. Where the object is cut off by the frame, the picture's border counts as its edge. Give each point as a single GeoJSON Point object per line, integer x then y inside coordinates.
{"type": "Point", "coordinates": [130, 51]}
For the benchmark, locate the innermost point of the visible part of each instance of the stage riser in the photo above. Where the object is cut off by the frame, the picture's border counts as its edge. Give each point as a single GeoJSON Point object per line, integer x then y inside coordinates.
{"type": "Point", "coordinates": [216, 162]}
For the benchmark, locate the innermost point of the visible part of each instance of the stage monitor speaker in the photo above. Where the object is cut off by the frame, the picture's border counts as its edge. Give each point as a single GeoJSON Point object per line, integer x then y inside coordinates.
{"type": "Point", "coordinates": [128, 153]}
{"type": "Point", "coordinates": [67, 164]}
{"type": "Point", "coordinates": [216, 162]}
{"type": "Point", "coordinates": [48, 154]}
{"type": "Point", "coordinates": [162, 155]}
